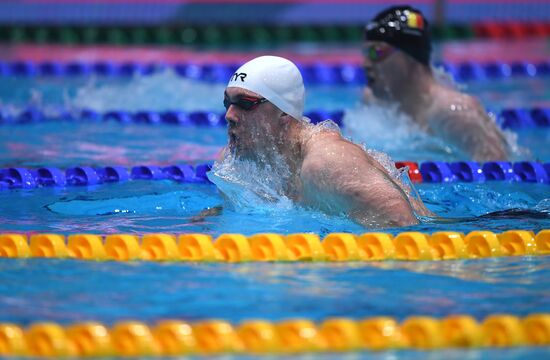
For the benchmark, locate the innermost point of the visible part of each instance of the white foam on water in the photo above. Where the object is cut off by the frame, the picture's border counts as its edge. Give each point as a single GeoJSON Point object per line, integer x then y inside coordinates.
{"type": "Point", "coordinates": [161, 90]}
{"type": "Point", "coordinates": [249, 187]}
{"type": "Point", "coordinates": [387, 129]}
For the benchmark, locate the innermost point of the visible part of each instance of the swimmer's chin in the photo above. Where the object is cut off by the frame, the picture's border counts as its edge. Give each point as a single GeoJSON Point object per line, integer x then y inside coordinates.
{"type": "Point", "coordinates": [239, 153]}
{"type": "Point", "coordinates": [235, 148]}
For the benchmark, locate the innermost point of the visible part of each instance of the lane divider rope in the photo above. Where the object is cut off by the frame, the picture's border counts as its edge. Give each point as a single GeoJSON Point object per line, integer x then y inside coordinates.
{"type": "Point", "coordinates": [428, 172]}
{"type": "Point", "coordinates": [510, 29]}
{"type": "Point", "coordinates": [316, 73]}
{"type": "Point", "coordinates": [218, 36]}
{"type": "Point", "coordinates": [268, 247]}
{"type": "Point", "coordinates": [15, 178]}
{"type": "Point", "coordinates": [518, 118]}
{"type": "Point", "coordinates": [291, 336]}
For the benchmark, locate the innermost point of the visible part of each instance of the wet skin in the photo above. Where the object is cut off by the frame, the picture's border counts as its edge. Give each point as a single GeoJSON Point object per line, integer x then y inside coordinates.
{"type": "Point", "coordinates": [328, 172]}
{"type": "Point", "coordinates": [397, 78]}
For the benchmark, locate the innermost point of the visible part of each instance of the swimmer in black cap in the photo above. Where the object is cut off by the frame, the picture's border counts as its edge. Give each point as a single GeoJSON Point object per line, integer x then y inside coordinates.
{"type": "Point", "coordinates": [397, 51]}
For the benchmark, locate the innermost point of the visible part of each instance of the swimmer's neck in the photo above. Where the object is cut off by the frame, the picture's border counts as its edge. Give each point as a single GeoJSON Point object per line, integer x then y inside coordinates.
{"type": "Point", "coordinates": [292, 149]}
{"type": "Point", "coordinates": [286, 147]}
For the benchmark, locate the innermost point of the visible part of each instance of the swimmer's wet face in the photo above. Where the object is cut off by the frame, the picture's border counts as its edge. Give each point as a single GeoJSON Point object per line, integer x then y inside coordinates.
{"type": "Point", "coordinates": [377, 52]}
{"type": "Point", "coordinates": [253, 125]}
{"type": "Point", "coordinates": [386, 68]}
{"type": "Point", "coordinates": [262, 98]}
{"type": "Point", "coordinates": [404, 29]}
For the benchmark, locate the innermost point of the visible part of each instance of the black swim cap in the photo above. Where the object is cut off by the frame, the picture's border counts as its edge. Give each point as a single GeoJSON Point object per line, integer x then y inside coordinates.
{"type": "Point", "coordinates": [405, 28]}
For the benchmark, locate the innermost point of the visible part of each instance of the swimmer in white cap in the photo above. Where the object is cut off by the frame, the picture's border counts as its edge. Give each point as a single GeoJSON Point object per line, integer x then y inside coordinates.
{"type": "Point", "coordinates": [397, 51]}
{"type": "Point", "coordinates": [264, 100]}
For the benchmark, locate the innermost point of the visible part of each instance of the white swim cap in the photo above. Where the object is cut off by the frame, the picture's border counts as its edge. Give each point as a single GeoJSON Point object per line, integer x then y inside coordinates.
{"type": "Point", "coordinates": [275, 78]}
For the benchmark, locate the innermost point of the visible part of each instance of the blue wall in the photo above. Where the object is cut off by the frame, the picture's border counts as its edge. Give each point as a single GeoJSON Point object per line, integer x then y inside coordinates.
{"type": "Point", "coordinates": [286, 12]}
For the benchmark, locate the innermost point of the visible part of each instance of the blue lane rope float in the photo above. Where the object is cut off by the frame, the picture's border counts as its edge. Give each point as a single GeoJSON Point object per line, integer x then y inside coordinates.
{"type": "Point", "coordinates": [429, 172]}
{"type": "Point", "coordinates": [519, 118]}
{"type": "Point", "coordinates": [522, 171]}
{"type": "Point", "coordinates": [195, 118]}
{"type": "Point", "coordinates": [316, 73]}
{"type": "Point", "coordinates": [23, 178]}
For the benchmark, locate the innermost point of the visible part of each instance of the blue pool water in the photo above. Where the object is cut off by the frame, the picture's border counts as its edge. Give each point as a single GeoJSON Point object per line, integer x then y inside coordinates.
{"type": "Point", "coordinates": [73, 291]}
{"type": "Point", "coordinates": [102, 143]}
{"type": "Point", "coordinates": [165, 206]}
{"type": "Point", "coordinates": [152, 291]}
{"type": "Point", "coordinates": [67, 291]}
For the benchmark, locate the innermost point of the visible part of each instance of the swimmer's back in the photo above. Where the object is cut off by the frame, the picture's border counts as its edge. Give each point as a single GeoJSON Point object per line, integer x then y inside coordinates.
{"type": "Point", "coordinates": [340, 177]}
{"type": "Point", "coordinates": [460, 119]}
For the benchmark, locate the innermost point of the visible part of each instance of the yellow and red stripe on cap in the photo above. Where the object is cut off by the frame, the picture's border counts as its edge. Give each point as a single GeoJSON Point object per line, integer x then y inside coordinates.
{"type": "Point", "coordinates": [415, 21]}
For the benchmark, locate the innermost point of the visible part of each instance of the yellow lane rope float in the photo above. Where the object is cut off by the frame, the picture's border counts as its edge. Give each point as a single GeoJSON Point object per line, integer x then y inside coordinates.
{"type": "Point", "coordinates": [236, 248]}
{"type": "Point", "coordinates": [292, 336]}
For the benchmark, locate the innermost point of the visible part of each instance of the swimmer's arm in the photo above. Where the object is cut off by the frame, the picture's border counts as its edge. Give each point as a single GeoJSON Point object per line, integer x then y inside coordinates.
{"type": "Point", "coordinates": [343, 173]}
{"type": "Point", "coordinates": [213, 211]}
{"type": "Point", "coordinates": [474, 131]}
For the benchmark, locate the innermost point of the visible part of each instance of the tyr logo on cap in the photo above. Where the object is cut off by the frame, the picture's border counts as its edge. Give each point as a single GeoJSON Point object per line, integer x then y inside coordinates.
{"type": "Point", "coordinates": [236, 76]}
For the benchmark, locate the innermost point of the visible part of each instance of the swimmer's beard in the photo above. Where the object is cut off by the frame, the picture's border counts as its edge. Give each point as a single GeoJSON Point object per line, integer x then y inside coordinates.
{"type": "Point", "coordinates": [237, 153]}
{"type": "Point", "coordinates": [236, 150]}
{"type": "Point", "coordinates": [262, 156]}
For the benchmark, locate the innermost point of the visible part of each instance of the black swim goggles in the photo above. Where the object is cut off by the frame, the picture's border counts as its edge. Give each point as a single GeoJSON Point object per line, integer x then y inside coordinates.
{"type": "Point", "coordinates": [244, 102]}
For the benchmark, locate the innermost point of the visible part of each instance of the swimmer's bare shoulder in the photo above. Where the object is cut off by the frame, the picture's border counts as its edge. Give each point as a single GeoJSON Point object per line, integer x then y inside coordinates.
{"type": "Point", "coordinates": [465, 122]}
{"type": "Point", "coordinates": [339, 176]}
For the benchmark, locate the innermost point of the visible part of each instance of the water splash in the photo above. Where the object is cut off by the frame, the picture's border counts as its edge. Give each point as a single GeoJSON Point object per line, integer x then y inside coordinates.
{"type": "Point", "coordinates": [446, 79]}
{"type": "Point", "coordinates": [249, 187]}
{"type": "Point", "coordinates": [389, 165]}
{"type": "Point", "coordinates": [259, 190]}
{"type": "Point", "coordinates": [516, 152]}
{"type": "Point", "coordinates": [159, 91]}
{"type": "Point", "coordinates": [386, 129]}
{"type": "Point", "coordinates": [459, 200]}
{"type": "Point", "coordinates": [543, 205]}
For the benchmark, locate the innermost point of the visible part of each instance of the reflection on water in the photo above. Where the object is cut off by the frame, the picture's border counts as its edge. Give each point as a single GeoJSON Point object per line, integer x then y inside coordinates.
{"type": "Point", "coordinates": [67, 144]}
{"type": "Point", "coordinates": [457, 354]}
{"type": "Point", "coordinates": [518, 270]}
{"type": "Point", "coordinates": [149, 291]}
{"type": "Point", "coordinates": [154, 206]}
